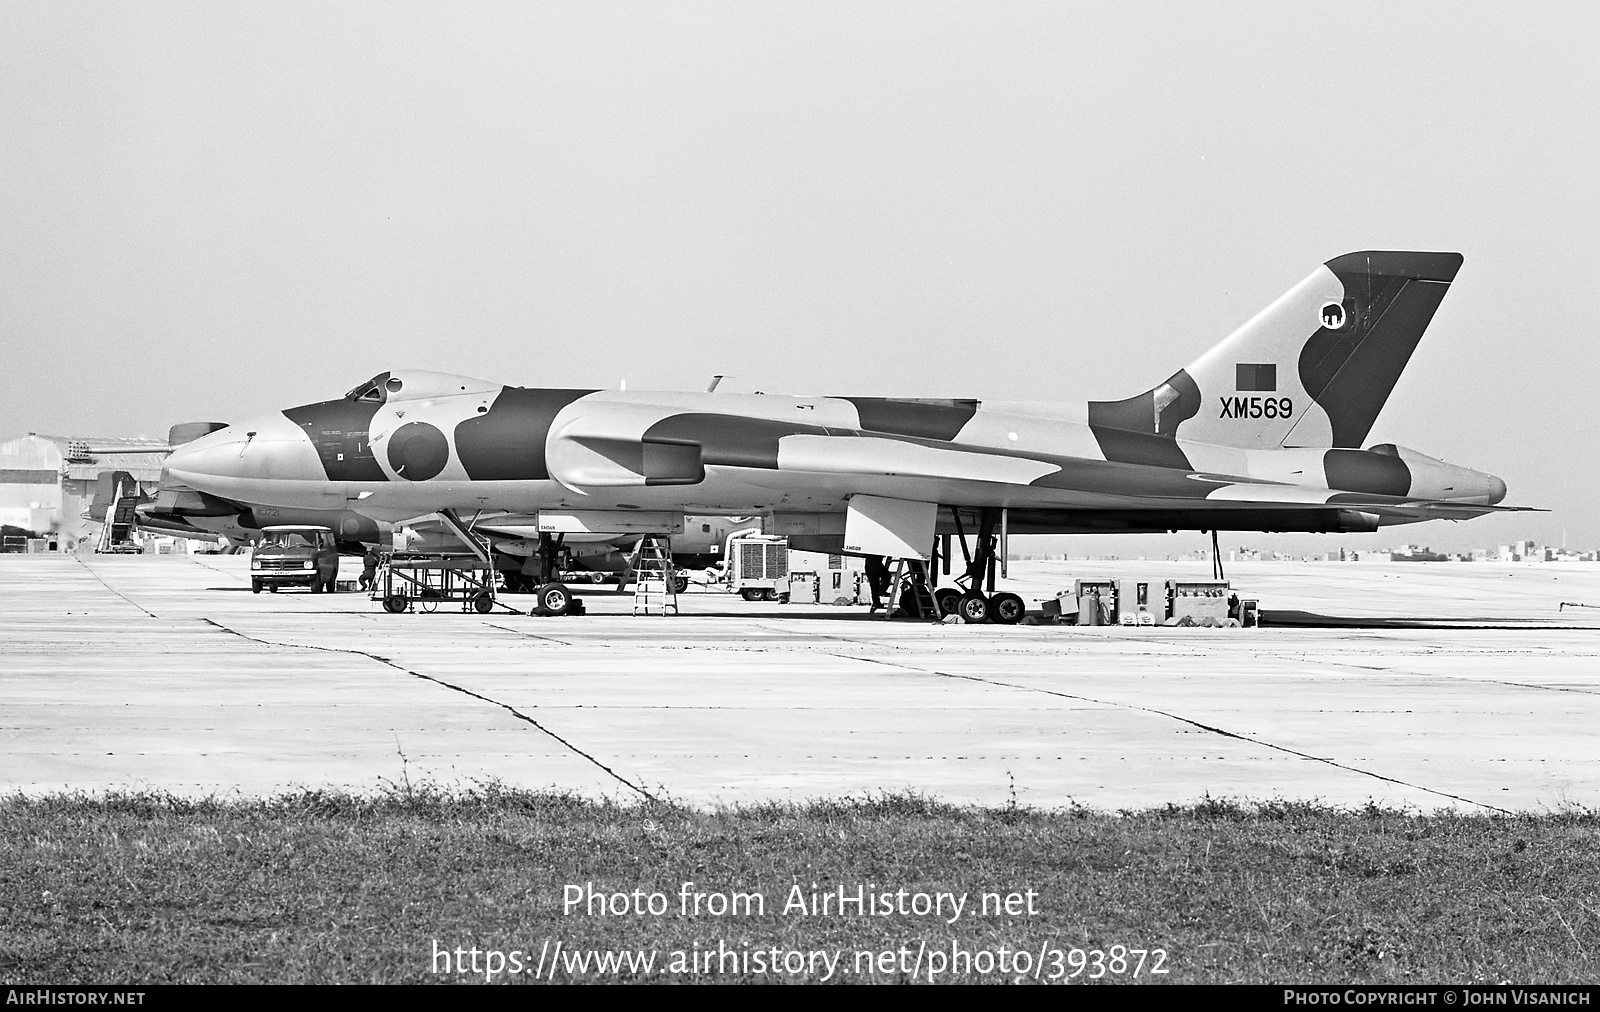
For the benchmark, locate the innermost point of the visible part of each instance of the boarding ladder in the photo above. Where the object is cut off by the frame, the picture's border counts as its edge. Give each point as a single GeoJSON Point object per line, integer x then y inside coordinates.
{"type": "Point", "coordinates": [653, 576]}
{"type": "Point", "coordinates": [476, 543]}
{"type": "Point", "coordinates": [909, 586]}
{"type": "Point", "coordinates": [116, 531]}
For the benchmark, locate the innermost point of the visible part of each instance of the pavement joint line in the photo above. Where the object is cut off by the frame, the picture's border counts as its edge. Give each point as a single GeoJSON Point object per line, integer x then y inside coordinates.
{"type": "Point", "coordinates": [687, 645]}
{"type": "Point", "coordinates": [1462, 678]}
{"type": "Point", "coordinates": [449, 685]}
{"type": "Point", "coordinates": [214, 569]}
{"type": "Point", "coordinates": [842, 639]}
{"type": "Point", "coordinates": [535, 636]}
{"type": "Point", "coordinates": [113, 590]}
{"type": "Point", "coordinates": [1185, 720]}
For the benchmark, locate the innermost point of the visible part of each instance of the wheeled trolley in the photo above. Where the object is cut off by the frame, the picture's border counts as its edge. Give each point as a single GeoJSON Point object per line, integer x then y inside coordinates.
{"type": "Point", "coordinates": [406, 581]}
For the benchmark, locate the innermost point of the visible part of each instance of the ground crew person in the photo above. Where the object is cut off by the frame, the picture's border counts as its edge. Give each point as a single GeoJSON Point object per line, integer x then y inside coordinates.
{"type": "Point", "coordinates": [877, 579]}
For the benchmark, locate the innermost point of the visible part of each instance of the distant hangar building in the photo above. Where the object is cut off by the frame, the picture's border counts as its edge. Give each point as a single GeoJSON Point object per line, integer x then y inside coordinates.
{"type": "Point", "coordinates": [47, 484]}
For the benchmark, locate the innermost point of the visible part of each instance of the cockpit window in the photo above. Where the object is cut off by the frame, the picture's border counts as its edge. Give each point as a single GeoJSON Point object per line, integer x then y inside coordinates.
{"type": "Point", "coordinates": [372, 390]}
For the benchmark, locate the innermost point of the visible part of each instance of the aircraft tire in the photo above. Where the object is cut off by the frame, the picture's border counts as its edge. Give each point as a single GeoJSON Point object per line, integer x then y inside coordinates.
{"type": "Point", "coordinates": [973, 607]}
{"type": "Point", "coordinates": [394, 604]}
{"type": "Point", "coordinates": [554, 599]}
{"type": "Point", "coordinates": [1006, 609]}
{"type": "Point", "coordinates": [949, 599]}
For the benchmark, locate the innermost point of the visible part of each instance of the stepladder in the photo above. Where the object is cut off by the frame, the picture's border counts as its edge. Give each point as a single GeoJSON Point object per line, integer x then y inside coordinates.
{"type": "Point", "coordinates": [909, 593]}
{"type": "Point", "coordinates": [654, 579]}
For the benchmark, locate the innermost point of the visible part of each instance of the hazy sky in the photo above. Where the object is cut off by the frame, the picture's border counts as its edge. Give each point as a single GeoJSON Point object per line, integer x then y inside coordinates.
{"type": "Point", "coordinates": [209, 210]}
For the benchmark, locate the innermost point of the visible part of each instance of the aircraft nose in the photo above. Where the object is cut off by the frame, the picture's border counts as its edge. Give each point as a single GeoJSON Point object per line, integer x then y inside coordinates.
{"type": "Point", "coordinates": [241, 461]}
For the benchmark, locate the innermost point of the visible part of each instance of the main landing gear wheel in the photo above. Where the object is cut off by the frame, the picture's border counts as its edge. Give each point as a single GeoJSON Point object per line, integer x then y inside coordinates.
{"type": "Point", "coordinates": [554, 599]}
{"type": "Point", "coordinates": [394, 604]}
{"type": "Point", "coordinates": [949, 598]}
{"type": "Point", "coordinates": [973, 607]}
{"type": "Point", "coordinates": [1006, 609]}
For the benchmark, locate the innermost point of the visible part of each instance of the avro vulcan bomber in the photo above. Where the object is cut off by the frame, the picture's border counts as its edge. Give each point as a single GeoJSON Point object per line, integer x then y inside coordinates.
{"type": "Point", "coordinates": [1264, 432]}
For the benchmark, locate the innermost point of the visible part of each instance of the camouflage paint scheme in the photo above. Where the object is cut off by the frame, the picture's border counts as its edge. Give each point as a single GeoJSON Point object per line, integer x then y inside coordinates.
{"type": "Point", "coordinates": [1262, 432]}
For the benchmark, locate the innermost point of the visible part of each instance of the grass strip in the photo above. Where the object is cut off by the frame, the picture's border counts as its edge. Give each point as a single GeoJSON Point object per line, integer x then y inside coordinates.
{"type": "Point", "coordinates": [319, 887]}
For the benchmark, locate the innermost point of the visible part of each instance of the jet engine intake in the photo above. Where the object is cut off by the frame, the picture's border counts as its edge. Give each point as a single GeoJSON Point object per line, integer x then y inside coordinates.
{"type": "Point", "coordinates": [606, 462]}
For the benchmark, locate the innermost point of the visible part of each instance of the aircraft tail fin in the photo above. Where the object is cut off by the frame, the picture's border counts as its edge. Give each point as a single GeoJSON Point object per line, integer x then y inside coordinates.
{"type": "Point", "coordinates": [1312, 369]}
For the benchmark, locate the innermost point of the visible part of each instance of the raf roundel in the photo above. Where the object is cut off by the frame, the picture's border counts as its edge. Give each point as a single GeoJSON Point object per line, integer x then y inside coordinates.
{"type": "Point", "coordinates": [418, 451]}
{"type": "Point", "coordinates": [1333, 316]}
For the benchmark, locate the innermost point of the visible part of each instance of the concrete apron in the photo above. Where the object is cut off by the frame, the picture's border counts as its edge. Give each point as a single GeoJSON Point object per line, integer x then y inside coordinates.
{"type": "Point", "coordinates": [167, 674]}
